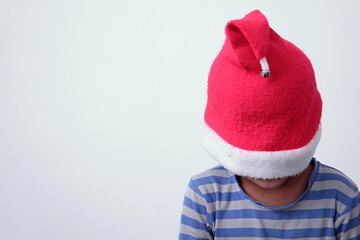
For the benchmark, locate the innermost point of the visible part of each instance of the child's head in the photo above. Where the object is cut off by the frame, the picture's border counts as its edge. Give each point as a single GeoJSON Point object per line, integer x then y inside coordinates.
{"type": "Point", "coordinates": [262, 117]}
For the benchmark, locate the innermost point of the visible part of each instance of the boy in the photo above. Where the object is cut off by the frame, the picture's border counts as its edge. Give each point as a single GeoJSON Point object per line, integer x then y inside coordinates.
{"type": "Point", "coordinates": [262, 124]}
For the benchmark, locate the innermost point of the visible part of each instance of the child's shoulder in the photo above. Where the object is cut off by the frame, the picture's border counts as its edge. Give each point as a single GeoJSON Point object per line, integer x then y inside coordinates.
{"type": "Point", "coordinates": [334, 178]}
{"type": "Point", "coordinates": [216, 172]}
{"type": "Point", "coordinates": [216, 179]}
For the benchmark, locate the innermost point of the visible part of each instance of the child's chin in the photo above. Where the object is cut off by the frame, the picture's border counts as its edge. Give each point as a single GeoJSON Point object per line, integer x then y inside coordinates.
{"type": "Point", "coordinates": [269, 183]}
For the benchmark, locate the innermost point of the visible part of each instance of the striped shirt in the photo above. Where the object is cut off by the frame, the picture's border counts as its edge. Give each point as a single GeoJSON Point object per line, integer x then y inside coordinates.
{"type": "Point", "coordinates": [215, 207]}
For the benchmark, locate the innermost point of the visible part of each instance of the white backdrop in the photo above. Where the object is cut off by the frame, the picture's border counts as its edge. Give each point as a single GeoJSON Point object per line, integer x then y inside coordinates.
{"type": "Point", "coordinates": [101, 106]}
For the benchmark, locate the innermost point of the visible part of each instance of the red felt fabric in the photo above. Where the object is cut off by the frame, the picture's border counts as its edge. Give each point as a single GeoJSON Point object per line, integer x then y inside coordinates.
{"type": "Point", "coordinates": [280, 112]}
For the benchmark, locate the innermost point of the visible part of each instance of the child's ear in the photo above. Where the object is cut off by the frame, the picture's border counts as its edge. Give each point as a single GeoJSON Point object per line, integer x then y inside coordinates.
{"type": "Point", "coordinates": [249, 38]}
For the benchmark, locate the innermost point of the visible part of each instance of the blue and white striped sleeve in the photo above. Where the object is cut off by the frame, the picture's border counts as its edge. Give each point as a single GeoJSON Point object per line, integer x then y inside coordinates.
{"type": "Point", "coordinates": [196, 220]}
{"type": "Point", "coordinates": [348, 223]}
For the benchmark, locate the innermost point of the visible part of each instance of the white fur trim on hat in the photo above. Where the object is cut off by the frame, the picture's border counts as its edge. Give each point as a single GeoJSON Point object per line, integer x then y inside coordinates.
{"type": "Point", "coordinates": [259, 164]}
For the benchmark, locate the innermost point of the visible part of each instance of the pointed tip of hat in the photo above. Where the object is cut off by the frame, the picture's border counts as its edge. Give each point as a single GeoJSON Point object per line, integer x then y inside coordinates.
{"type": "Point", "coordinates": [255, 13]}
{"type": "Point", "coordinates": [249, 34]}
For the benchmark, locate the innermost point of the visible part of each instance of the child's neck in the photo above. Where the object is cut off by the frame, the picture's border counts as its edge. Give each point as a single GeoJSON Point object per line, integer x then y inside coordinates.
{"type": "Point", "coordinates": [277, 192]}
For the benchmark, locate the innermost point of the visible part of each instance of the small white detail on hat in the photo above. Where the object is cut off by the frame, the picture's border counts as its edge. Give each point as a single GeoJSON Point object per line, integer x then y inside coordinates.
{"type": "Point", "coordinates": [264, 67]}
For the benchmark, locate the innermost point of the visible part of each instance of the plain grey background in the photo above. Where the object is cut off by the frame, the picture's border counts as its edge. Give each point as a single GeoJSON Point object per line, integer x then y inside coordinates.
{"type": "Point", "coordinates": [101, 106]}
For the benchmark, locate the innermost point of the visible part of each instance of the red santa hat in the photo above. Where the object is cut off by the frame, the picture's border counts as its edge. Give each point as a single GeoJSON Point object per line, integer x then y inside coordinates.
{"type": "Point", "coordinates": [262, 117]}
